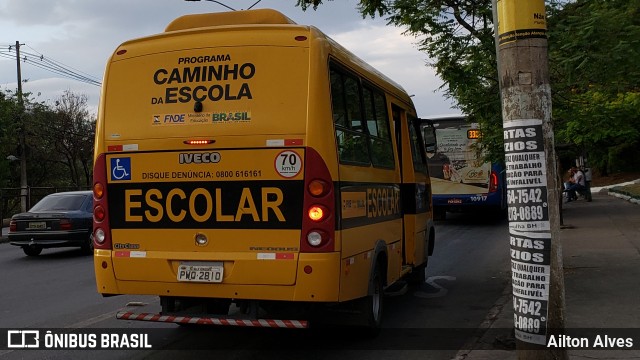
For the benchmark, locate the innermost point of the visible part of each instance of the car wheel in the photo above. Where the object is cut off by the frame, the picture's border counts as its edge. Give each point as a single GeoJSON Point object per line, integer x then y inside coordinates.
{"type": "Point", "coordinates": [32, 250]}
{"type": "Point", "coordinates": [87, 247]}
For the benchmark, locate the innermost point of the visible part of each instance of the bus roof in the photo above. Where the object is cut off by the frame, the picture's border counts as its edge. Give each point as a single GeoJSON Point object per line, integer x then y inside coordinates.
{"type": "Point", "coordinates": [260, 18]}
{"type": "Point", "coordinates": [274, 17]}
{"type": "Point", "coordinates": [241, 17]}
{"type": "Point", "coordinates": [445, 117]}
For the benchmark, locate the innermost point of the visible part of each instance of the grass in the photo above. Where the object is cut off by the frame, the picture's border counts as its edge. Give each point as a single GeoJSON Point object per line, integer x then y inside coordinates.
{"type": "Point", "coordinates": [632, 190]}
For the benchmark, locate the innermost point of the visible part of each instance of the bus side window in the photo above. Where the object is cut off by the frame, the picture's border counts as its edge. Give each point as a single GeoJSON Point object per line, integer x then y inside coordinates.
{"type": "Point", "coordinates": [369, 113]}
{"type": "Point", "coordinates": [352, 95]}
{"type": "Point", "coordinates": [352, 147]}
{"type": "Point", "coordinates": [361, 121]}
{"type": "Point", "coordinates": [345, 100]}
{"type": "Point", "coordinates": [417, 153]}
{"type": "Point", "coordinates": [429, 136]}
{"type": "Point", "coordinates": [381, 145]}
{"type": "Point", "coordinates": [337, 99]}
{"type": "Point", "coordinates": [382, 118]}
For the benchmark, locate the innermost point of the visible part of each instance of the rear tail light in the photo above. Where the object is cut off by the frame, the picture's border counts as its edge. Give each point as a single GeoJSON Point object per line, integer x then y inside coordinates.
{"type": "Point", "coordinates": [98, 190]}
{"type": "Point", "coordinates": [315, 238]}
{"type": "Point", "coordinates": [317, 187]}
{"type": "Point", "coordinates": [198, 142]}
{"type": "Point", "coordinates": [13, 226]}
{"type": "Point", "coordinates": [65, 224]}
{"type": "Point", "coordinates": [318, 224]}
{"type": "Point", "coordinates": [101, 230]}
{"type": "Point", "coordinates": [493, 181]}
{"type": "Point", "coordinates": [99, 213]}
{"type": "Point", "coordinates": [99, 236]}
{"type": "Point", "coordinates": [316, 213]}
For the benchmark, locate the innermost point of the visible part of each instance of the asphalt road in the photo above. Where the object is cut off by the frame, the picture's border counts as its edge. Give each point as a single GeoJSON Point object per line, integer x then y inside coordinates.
{"type": "Point", "coordinates": [466, 276]}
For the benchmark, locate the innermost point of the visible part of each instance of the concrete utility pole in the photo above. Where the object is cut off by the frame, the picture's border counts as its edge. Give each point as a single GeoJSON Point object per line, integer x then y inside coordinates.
{"type": "Point", "coordinates": [23, 148]}
{"type": "Point", "coordinates": [532, 190]}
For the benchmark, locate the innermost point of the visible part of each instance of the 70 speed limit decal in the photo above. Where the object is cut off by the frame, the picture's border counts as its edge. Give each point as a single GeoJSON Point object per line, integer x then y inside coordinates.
{"type": "Point", "coordinates": [288, 163]}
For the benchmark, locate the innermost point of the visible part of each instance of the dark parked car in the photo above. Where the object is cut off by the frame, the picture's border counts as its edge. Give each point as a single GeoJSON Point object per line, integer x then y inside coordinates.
{"type": "Point", "coordinates": [58, 220]}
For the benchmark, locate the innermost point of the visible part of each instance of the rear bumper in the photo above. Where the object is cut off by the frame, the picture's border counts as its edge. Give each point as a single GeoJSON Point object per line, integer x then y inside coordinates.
{"type": "Point", "coordinates": [207, 320]}
{"type": "Point", "coordinates": [321, 284]}
{"type": "Point", "coordinates": [49, 239]}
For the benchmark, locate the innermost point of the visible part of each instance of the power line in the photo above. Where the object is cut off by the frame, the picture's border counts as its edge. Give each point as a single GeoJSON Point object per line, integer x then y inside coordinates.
{"type": "Point", "coordinates": [57, 63]}
{"type": "Point", "coordinates": [227, 6]}
{"type": "Point", "coordinates": [60, 70]}
{"type": "Point", "coordinates": [38, 60]}
{"type": "Point", "coordinates": [55, 69]}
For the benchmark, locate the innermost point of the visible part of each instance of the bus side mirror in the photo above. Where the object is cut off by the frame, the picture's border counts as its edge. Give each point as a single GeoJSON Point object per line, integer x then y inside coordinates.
{"type": "Point", "coordinates": [429, 135]}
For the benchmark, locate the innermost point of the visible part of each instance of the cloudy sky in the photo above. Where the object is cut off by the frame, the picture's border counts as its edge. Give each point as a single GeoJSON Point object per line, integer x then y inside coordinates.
{"type": "Point", "coordinates": [82, 34]}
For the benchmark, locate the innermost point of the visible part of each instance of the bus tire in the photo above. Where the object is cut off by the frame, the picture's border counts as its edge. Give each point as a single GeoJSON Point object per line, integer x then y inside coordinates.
{"type": "Point", "coordinates": [417, 275]}
{"type": "Point", "coordinates": [371, 307]}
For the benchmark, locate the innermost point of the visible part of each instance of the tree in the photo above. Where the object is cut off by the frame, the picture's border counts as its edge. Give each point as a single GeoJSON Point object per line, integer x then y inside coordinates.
{"type": "Point", "coordinates": [71, 133]}
{"type": "Point", "coordinates": [595, 76]}
{"type": "Point", "coordinates": [593, 52]}
{"type": "Point", "coordinates": [59, 141]}
{"type": "Point", "coordinates": [7, 146]}
{"type": "Point", "coordinates": [13, 117]}
{"type": "Point", "coordinates": [44, 166]}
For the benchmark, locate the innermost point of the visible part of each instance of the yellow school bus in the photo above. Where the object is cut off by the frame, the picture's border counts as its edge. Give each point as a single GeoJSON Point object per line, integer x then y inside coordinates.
{"type": "Point", "coordinates": [251, 171]}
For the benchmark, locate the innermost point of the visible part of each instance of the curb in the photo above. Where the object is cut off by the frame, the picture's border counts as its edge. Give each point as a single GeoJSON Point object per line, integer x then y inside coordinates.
{"type": "Point", "coordinates": [614, 190]}
{"type": "Point", "coordinates": [620, 195]}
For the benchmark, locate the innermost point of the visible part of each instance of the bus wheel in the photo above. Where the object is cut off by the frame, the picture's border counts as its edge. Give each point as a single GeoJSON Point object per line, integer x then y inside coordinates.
{"type": "Point", "coordinates": [417, 276]}
{"type": "Point", "coordinates": [371, 306]}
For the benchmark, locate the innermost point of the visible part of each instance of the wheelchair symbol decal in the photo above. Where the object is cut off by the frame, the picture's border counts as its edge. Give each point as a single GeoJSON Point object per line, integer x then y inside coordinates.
{"type": "Point", "coordinates": [121, 168]}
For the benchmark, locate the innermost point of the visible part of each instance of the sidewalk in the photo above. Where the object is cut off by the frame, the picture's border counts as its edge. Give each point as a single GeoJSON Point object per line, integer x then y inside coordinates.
{"type": "Point", "coordinates": [601, 253]}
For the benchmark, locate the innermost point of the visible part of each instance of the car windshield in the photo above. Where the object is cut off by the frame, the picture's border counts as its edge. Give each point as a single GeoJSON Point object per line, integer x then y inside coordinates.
{"type": "Point", "coordinates": [59, 202]}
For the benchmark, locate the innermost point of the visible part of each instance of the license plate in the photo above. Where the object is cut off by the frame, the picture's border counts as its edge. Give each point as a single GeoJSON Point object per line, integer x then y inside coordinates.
{"type": "Point", "coordinates": [207, 272]}
{"type": "Point", "coordinates": [40, 225]}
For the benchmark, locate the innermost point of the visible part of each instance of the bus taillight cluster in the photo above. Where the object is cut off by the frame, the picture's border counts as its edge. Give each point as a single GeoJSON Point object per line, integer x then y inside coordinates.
{"type": "Point", "coordinates": [493, 181]}
{"type": "Point", "coordinates": [318, 224]}
{"type": "Point", "coordinates": [101, 236]}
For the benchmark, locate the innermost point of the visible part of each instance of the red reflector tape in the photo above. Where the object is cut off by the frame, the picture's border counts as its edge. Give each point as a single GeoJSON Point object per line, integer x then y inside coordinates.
{"type": "Point", "coordinates": [123, 254]}
{"type": "Point", "coordinates": [271, 323]}
{"type": "Point", "coordinates": [114, 148]}
{"type": "Point", "coordinates": [284, 256]}
{"type": "Point", "coordinates": [292, 142]}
